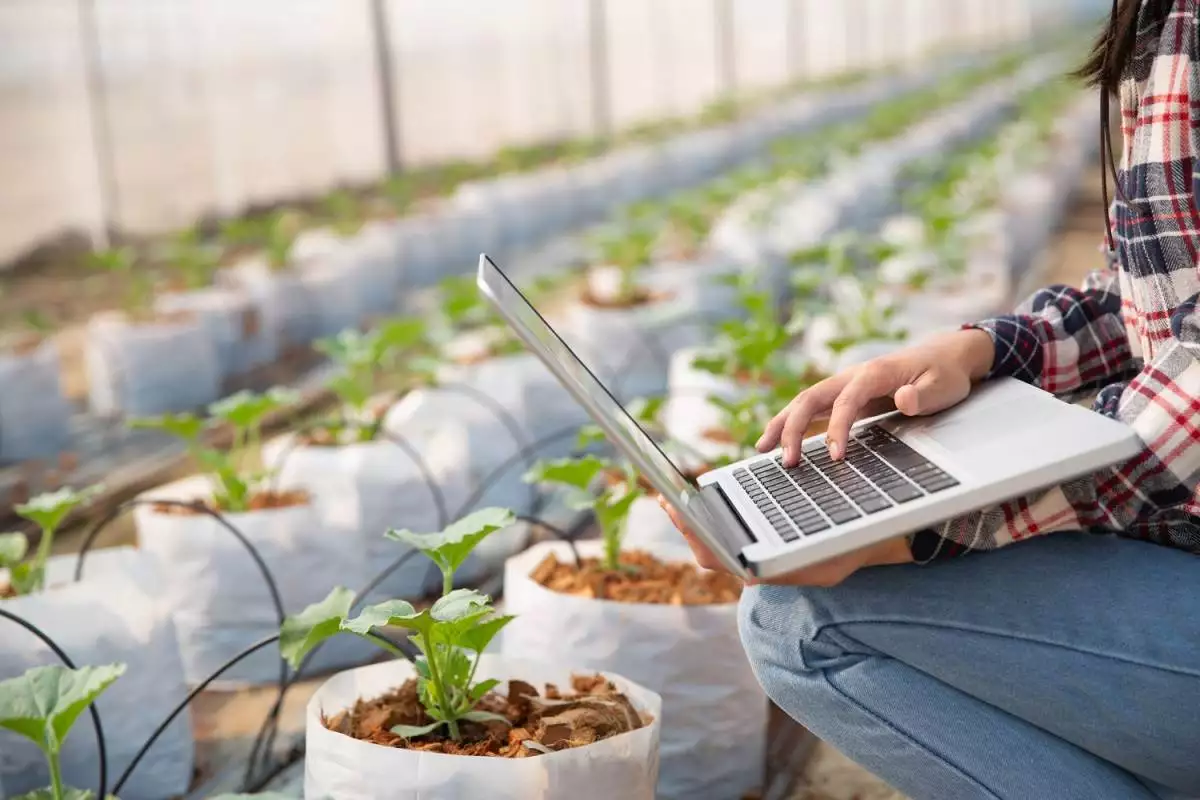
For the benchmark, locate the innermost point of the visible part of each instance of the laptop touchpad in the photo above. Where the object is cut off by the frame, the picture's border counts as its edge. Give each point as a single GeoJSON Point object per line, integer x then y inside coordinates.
{"type": "Point", "coordinates": [965, 430]}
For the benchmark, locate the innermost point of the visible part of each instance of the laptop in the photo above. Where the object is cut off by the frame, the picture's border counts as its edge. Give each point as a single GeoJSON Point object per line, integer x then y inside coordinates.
{"type": "Point", "coordinates": [899, 475]}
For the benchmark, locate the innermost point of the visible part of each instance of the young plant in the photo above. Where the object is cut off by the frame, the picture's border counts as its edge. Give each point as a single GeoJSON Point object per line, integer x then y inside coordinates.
{"type": "Point", "coordinates": [122, 263]}
{"type": "Point", "coordinates": [749, 346]}
{"type": "Point", "coordinates": [195, 262]}
{"type": "Point", "coordinates": [344, 212]}
{"type": "Point", "coordinates": [235, 481]}
{"type": "Point", "coordinates": [43, 705]}
{"type": "Point", "coordinates": [363, 360]}
{"type": "Point", "coordinates": [451, 635]}
{"type": "Point", "coordinates": [47, 511]}
{"type": "Point", "coordinates": [462, 309]}
{"type": "Point", "coordinates": [743, 419]}
{"type": "Point", "coordinates": [279, 232]}
{"type": "Point", "coordinates": [629, 247]}
{"type": "Point", "coordinates": [619, 488]}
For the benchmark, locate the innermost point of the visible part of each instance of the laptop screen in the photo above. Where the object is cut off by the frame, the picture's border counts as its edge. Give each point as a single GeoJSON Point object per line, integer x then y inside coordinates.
{"type": "Point", "coordinates": [537, 334]}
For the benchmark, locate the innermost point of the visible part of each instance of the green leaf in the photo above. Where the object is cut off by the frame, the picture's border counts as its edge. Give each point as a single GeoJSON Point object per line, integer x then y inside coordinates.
{"type": "Point", "coordinates": [182, 426]}
{"type": "Point", "coordinates": [450, 548]}
{"type": "Point", "coordinates": [589, 435]}
{"type": "Point", "coordinates": [395, 613]}
{"type": "Point", "coordinates": [485, 716]}
{"type": "Point", "coordinates": [49, 509]}
{"type": "Point", "coordinates": [302, 632]}
{"type": "Point", "coordinates": [458, 604]}
{"type": "Point", "coordinates": [480, 689]}
{"type": "Point", "coordinates": [413, 731]}
{"type": "Point", "coordinates": [246, 409]}
{"type": "Point", "coordinates": [44, 703]}
{"type": "Point", "coordinates": [481, 635]}
{"type": "Point", "coordinates": [13, 547]}
{"type": "Point", "coordinates": [580, 473]}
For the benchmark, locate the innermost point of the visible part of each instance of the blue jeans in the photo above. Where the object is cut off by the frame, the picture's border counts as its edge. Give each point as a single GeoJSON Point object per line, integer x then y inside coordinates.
{"type": "Point", "coordinates": [1059, 668]}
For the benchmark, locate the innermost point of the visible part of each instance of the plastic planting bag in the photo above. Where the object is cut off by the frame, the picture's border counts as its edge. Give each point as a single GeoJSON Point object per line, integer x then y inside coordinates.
{"type": "Point", "coordinates": [445, 424]}
{"type": "Point", "coordinates": [283, 301]}
{"type": "Point", "coordinates": [714, 712]}
{"type": "Point", "coordinates": [522, 386]}
{"type": "Point", "coordinates": [649, 527]}
{"type": "Point", "coordinates": [156, 368]}
{"type": "Point", "coordinates": [232, 321]}
{"type": "Point", "coordinates": [337, 766]}
{"type": "Point", "coordinates": [114, 615]}
{"type": "Point", "coordinates": [364, 490]}
{"type": "Point", "coordinates": [630, 349]}
{"type": "Point", "coordinates": [219, 597]}
{"type": "Point", "coordinates": [34, 416]}
{"type": "Point", "coordinates": [689, 414]}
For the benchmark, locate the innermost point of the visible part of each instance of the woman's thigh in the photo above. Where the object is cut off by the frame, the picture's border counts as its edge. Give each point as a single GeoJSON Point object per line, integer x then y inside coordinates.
{"type": "Point", "coordinates": [1094, 639]}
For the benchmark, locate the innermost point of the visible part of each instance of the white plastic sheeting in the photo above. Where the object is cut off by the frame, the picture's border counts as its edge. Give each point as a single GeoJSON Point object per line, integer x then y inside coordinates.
{"type": "Point", "coordinates": [338, 766]}
{"type": "Point", "coordinates": [33, 414]}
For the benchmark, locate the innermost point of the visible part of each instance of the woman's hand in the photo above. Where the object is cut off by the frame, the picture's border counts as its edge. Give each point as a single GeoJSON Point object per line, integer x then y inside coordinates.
{"type": "Point", "coordinates": [827, 573]}
{"type": "Point", "coordinates": [922, 379]}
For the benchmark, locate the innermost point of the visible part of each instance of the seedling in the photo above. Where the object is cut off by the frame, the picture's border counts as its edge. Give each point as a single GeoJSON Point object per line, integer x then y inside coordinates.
{"type": "Point", "coordinates": [122, 262]}
{"type": "Point", "coordinates": [279, 236]}
{"type": "Point", "coordinates": [619, 488]}
{"type": "Point", "coordinates": [47, 511]}
{"type": "Point", "coordinates": [364, 359]}
{"type": "Point", "coordinates": [629, 248]}
{"type": "Point", "coordinates": [43, 705]}
{"type": "Point", "coordinates": [195, 262]}
{"type": "Point", "coordinates": [451, 635]}
{"type": "Point", "coordinates": [462, 309]}
{"type": "Point", "coordinates": [744, 419]}
{"type": "Point", "coordinates": [344, 212]}
{"type": "Point", "coordinates": [235, 482]}
{"type": "Point", "coordinates": [749, 346]}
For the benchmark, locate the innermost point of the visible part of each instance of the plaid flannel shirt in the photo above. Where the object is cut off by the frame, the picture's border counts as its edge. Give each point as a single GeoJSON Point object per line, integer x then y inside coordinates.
{"type": "Point", "coordinates": [1132, 332]}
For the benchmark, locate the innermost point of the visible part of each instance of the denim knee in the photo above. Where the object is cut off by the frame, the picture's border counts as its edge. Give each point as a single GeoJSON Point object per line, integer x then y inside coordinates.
{"type": "Point", "coordinates": [790, 631]}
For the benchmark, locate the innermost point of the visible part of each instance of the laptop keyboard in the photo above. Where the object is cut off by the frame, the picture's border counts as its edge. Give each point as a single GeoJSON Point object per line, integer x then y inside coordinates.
{"type": "Point", "coordinates": [878, 472]}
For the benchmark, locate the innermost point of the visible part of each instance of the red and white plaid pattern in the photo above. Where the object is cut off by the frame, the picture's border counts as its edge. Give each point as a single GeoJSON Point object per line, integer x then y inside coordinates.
{"type": "Point", "coordinates": [1132, 331]}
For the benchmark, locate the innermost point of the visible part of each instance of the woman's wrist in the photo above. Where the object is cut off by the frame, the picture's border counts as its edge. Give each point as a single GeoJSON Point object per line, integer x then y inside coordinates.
{"type": "Point", "coordinates": [977, 352]}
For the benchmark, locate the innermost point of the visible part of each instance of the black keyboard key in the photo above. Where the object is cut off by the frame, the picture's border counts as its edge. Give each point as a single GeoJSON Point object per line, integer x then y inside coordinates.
{"type": "Point", "coordinates": [940, 484]}
{"type": "Point", "coordinates": [903, 492]}
{"type": "Point", "coordinates": [843, 514]}
{"type": "Point", "coordinates": [873, 505]}
{"type": "Point", "coordinates": [816, 526]}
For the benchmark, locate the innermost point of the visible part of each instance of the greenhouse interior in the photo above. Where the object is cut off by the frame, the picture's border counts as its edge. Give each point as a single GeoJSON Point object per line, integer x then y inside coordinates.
{"type": "Point", "coordinates": [338, 541]}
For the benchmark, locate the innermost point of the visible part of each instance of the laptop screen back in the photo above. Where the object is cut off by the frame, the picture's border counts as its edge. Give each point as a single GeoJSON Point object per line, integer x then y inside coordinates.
{"type": "Point", "coordinates": [541, 339]}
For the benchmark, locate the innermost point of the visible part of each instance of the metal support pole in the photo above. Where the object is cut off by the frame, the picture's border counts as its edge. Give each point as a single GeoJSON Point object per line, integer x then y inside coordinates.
{"type": "Point", "coordinates": [796, 23]}
{"type": "Point", "coordinates": [98, 120]}
{"type": "Point", "coordinates": [385, 66]}
{"type": "Point", "coordinates": [726, 47]}
{"type": "Point", "coordinates": [598, 68]}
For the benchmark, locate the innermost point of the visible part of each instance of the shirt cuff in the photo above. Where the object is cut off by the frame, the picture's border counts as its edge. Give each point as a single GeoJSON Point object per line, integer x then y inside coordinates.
{"type": "Point", "coordinates": [1018, 350]}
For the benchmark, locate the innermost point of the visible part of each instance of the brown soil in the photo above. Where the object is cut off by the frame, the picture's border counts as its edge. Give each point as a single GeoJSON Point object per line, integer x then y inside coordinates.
{"type": "Point", "coordinates": [7, 591]}
{"type": "Point", "coordinates": [645, 580]}
{"type": "Point", "coordinates": [643, 297]}
{"type": "Point", "coordinates": [263, 501]}
{"type": "Point", "coordinates": [595, 710]}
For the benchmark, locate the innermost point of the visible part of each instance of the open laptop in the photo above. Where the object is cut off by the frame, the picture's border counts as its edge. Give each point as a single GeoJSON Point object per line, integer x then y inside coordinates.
{"type": "Point", "coordinates": [899, 475]}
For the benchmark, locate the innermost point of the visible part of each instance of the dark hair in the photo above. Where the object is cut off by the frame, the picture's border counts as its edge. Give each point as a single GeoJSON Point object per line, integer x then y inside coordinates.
{"type": "Point", "coordinates": [1113, 48]}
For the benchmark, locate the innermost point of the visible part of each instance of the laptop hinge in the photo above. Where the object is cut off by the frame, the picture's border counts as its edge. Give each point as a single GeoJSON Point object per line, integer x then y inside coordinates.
{"type": "Point", "coordinates": [729, 522]}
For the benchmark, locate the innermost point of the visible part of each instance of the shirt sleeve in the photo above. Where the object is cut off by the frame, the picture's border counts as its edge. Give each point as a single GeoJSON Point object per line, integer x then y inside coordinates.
{"type": "Point", "coordinates": [1064, 340]}
{"type": "Point", "coordinates": [1151, 496]}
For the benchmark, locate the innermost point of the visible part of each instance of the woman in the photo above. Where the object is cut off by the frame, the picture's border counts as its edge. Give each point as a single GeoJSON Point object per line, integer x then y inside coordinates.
{"type": "Point", "coordinates": [1066, 664]}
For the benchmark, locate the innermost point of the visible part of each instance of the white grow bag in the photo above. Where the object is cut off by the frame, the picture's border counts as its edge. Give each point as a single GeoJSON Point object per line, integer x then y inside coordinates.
{"type": "Point", "coordinates": [217, 594]}
{"type": "Point", "coordinates": [143, 370]}
{"type": "Point", "coordinates": [689, 413]}
{"type": "Point", "coordinates": [232, 321]}
{"type": "Point", "coordinates": [34, 416]}
{"type": "Point", "coordinates": [454, 428]}
{"type": "Point", "coordinates": [112, 616]}
{"type": "Point", "coordinates": [714, 711]}
{"type": "Point", "coordinates": [284, 303]}
{"type": "Point", "coordinates": [363, 490]}
{"type": "Point", "coordinates": [341, 768]}
{"type": "Point", "coordinates": [629, 349]}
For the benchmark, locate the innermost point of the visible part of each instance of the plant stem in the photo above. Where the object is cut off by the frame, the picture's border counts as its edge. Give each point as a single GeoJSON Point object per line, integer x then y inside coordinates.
{"type": "Point", "coordinates": [435, 675]}
{"type": "Point", "coordinates": [447, 581]}
{"type": "Point", "coordinates": [45, 546]}
{"type": "Point", "coordinates": [56, 785]}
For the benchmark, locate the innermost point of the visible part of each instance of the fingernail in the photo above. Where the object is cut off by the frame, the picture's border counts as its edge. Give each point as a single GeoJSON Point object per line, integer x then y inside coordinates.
{"type": "Point", "coordinates": [835, 450]}
{"type": "Point", "coordinates": [759, 444]}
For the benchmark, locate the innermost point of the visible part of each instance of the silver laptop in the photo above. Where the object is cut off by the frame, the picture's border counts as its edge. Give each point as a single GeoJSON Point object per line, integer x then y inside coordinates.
{"type": "Point", "coordinates": [899, 475]}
